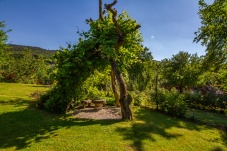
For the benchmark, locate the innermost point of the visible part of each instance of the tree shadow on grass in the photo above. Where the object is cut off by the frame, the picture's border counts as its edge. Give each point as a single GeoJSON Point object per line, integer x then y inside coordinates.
{"type": "Point", "coordinates": [148, 124]}
{"type": "Point", "coordinates": [41, 86]}
{"type": "Point", "coordinates": [224, 137]}
{"type": "Point", "coordinates": [24, 126]}
{"type": "Point", "coordinates": [16, 102]}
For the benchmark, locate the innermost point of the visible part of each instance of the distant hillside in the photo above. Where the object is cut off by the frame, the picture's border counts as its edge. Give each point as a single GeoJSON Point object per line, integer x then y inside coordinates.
{"type": "Point", "coordinates": [36, 51]}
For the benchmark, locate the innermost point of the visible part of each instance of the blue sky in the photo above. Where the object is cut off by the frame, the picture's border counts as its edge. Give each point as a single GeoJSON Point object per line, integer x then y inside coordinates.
{"type": "Point", "coordinates": [167, 26]}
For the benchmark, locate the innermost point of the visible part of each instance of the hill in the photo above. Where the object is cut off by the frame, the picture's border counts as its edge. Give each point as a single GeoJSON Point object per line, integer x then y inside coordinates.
{"type": "Point", "coordinates": [16, 50]}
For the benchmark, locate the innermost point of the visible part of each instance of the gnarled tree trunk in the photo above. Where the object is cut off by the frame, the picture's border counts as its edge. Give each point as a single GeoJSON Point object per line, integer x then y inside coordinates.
{"type": "Point", "coordinates": [125, 97]}
{"type": "Point", "coordinates": [113, 83]}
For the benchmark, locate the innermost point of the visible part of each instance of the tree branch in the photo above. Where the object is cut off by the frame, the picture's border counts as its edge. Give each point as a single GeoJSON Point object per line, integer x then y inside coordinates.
{"type": "Point", "coordinates": [100, 10]}
{"type": "Point", "coordinates": [120, 41]}
{"type": "Point", "coordinates": [114, 12]}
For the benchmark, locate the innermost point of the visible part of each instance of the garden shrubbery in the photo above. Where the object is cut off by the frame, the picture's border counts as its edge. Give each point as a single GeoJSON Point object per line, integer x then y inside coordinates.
{"type": "Point", "coordinates": [110, 101]}
{"type": "Point", "coordinates": [172, 102]}
{"type": "Point", "coordinates": [140, 98]}
{"type": "Point", "coordinates": [210, 101]}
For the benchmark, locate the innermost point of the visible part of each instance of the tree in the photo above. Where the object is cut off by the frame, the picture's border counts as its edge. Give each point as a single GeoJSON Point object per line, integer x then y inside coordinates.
{"type": "Point", "coordinates": [111, 40]}
{"type": "Point", "coordinates": [181, 71]}
{"type": "Point", "coordinates": [140, 72]}
{"type": "Point", "coordinates": [213, 32]}
{"type": "Point", "coordinates": [125, 98]}
{"type": "Point", "coordinates": [3, 35]}
{"type": "Point", "coordinates": [3, 46]}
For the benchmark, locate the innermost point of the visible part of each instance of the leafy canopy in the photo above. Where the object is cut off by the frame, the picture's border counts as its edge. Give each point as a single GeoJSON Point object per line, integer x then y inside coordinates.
{"type": "Point", "coordinates": [181, 71]}
{"type": "Point", "coordinates": [93, 51]}
{"type": "Point", "coordinates": [213, 32]}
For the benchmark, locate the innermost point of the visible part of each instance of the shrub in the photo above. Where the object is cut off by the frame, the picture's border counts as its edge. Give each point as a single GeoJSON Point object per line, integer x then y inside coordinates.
{"type": "Point", "coordinates": [159, 98]}
{"type": "Point", "coordinates": [209, 100]}
{"type": "Point", "coordinates": [222, 102]}
{"type": "Point", "coordinates": [140, 98]}
{"type": "Point", "coordinates": [174, 103]}
{"type": "Point", "coordinates": [94, 93]}
{"type": "Point", "coordinates": [193, 99]}
{"type": "Point", "coordinates": [58, 100]}
{"type": "Point", "coordinates": [110, 101]}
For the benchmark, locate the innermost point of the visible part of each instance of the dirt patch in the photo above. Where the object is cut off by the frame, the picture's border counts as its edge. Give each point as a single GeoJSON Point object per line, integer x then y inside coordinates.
{"type": "Point", "coordinates": [91, 113]}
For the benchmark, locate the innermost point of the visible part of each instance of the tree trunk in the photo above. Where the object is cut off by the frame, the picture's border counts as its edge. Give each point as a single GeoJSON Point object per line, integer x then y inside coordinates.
{"type": "Point", "coordinates": [113, 82]}
{"type": "Point", "coordinates": [181, 88]}
{"type": "Point", "coordinates": [125, 98]}
{"type": "Point", "coordinates": [156, 91]}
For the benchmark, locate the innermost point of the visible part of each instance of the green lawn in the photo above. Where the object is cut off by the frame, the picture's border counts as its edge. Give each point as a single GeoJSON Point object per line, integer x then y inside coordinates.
{"type": "Point", "coordinates": [24, 127]}
{"type": "Point", "coordinates": [207, 117]}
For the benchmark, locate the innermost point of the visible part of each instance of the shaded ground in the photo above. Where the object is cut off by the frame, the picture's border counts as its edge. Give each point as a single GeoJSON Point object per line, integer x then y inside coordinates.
{"type": "Point", "coordinates": [107, 112]}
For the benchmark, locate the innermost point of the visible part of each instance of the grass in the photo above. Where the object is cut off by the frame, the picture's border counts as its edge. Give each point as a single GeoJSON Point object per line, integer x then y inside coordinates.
{"type": "Point", "coordinates": [12, 91]}
{"type": "Point", "coordinates": [208, 117]}
{"type": "Point", "coordinates": [24, 127]}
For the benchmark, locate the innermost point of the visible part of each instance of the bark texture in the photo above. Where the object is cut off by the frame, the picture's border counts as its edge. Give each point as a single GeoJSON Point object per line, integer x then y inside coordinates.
{"type": "Point", "coordinates": [114, 88]}
{"type": "Point", "coordinates": [125, 97]}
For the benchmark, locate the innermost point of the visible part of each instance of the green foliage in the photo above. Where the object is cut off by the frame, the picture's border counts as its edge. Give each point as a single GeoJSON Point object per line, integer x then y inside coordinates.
{"type": "Point", "coordinates": [73, 68]}
{"type": "Point", "coordinates": [213, 35]}
{"type": "Point", "coordinates": [210, 101]}
{"type": "Point", "coordinates": [213, 32]}
{"type": "Point", "coordinates": [94, 93]}
{"type": "Point", "coordinates": [214, 102]}
{"type": "Point", "coordinates": [26, 69]}
{"type": "Point", "coordinates": [23, 127]}
{"type": "Point", "coordinates": [158, 97]}
{"type": "Point", "coordinates": [17, 51]}
{"type": "Point", "coordinates": [77, 63]}
{"type": "Point", "coordinates": [21, 66]}
{"type": "Point", "coordinates": [141, 98]}
{"type": "Point", "coordinates": [181, 71]}
{"type": "Point", "coordinates": [3, 36]}
{"type": "Point", "coordinates": [3, 46]}
{"type": "Point", "coordinates": [193, 99]}
{"type": "Point", "coordinates": [140, 73]}
{"type": "Point", "coordinates": [110, 101]}
{"type": "Point", "coordinates": [173, 103]}
{"type": "Point", "coordinates": [97, 85]}
{"type": "Point", "coordinates": [141, 78]}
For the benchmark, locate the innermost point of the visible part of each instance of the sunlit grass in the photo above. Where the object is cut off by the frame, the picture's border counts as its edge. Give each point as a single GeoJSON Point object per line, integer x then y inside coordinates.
{"type": "Point", "coordinates": [24, 127]}
{"type": "Point", "coordinates": [11, 91]}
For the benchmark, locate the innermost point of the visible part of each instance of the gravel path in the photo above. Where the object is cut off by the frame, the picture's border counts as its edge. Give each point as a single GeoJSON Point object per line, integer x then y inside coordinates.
{"type": "Point", "coordinates": [91, 113]}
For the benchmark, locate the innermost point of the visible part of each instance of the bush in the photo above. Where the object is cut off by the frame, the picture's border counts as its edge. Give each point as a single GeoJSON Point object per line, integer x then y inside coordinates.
{"type": "Point", "coordinates": [209, 100]}
{"type": "Point", "coordinates": [174, 103]}
{"type": "Point", "coordinates": [193, 99]}
{"type": "Point", "coordinates": [158, 98]}
{"type": "Point", "coordinates": [140, 98]}
{"type": "Point", "coordinates": [110, 101]}
{"type": "Point", "coordinates": [58, 99]}
{"type": "Point", "coordinates": [94, 93]}
{"type": "Point", "coordinates": [222, 102]}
